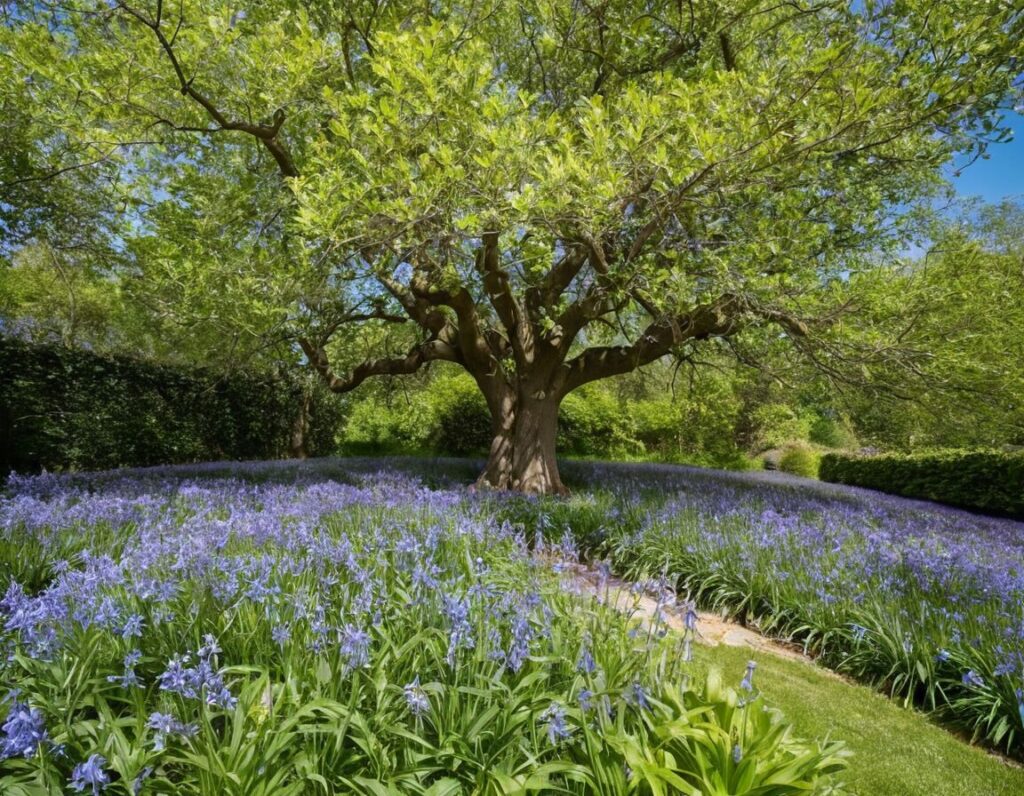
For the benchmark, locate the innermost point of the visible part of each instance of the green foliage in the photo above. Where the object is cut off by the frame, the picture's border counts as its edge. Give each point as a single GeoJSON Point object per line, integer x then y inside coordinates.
{"type": "Point", "coordinates": [800, 460]}
{"type": "Point", "coordinates": [293, 172]}
{"type": "Point", "coordinates": [462, 424]}
{"type": "Point", "coordinates": [989, 481]}
{"type": "Point", "coordinates": [593, 423]}
{"type": "Point", "coordinates": [779, 424]}
{"type": "Point", "coordinates": [832, 432]}
{"type": "Point", "coordinates": [67, 408]}
{"type": "Point", "coordinates": [372, 426]}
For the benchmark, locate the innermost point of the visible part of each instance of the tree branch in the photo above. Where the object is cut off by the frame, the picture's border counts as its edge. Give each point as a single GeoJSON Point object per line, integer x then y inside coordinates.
{"type": "Point", "coordinates": [265, 133]}
{"type": "Point", "coordinates": [416, 358]}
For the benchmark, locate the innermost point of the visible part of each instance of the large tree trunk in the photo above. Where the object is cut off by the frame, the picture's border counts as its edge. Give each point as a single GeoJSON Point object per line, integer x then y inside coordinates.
{"type": "Point", "coordinates": [300, 428]}
{"type": "Point", "coordinates": [522, 455]}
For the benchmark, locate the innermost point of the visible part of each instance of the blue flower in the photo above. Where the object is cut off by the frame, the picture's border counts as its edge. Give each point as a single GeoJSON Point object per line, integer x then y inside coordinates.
{"type": "Point", "coordinates": [132, 627]}
{"type": "Point", "coordinates": [557, 727]}
{"type": "Point", "coordinates": [586, 662]}
{"type": "Point", "coordinates": [586, 699]}
{"type": "Point", "coordinates": [281, 634]}
{"type": "Point", "coordinates": [24, 730]}
{"type": "Point", "coordinates": [168, 726]}
{"type": "Point", "coordinates": [355, 646]}
{"type": "Point", "coordinates": [972, 678]}
{"type": "Point", "coordinates": [737, 753]}
{"type": "Point", "coordinates": [636, 696]}
{"type": "Point", "coordinates": [90, 774]}
{"type": "Point", "coordinates": [416, 698]}
{"type": "Point", "coordinates": [747, 684]}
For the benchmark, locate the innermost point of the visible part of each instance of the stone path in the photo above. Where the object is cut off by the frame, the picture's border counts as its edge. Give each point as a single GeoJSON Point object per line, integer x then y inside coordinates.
{"type": "Point", "coordinates": [712, 629]}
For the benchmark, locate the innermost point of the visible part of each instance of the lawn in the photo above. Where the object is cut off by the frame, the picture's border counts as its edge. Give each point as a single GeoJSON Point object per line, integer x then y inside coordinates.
{"type": "Point", "coordinates": [895, 750]}
{"type": "Point", "coordinates": [366, 626]}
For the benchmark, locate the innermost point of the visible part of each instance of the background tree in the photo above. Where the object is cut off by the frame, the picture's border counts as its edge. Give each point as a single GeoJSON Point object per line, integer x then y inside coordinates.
{"type": "Point", "coordinates": [547, 194]}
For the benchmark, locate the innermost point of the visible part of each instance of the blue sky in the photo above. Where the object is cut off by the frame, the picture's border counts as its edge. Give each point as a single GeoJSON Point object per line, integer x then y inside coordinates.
{"type": "Point", "coordinates": [1002, 174]}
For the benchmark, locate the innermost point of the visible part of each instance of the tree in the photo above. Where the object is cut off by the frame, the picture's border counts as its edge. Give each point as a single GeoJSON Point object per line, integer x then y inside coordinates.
{"type": "Point", "coordinates": [545, 193]}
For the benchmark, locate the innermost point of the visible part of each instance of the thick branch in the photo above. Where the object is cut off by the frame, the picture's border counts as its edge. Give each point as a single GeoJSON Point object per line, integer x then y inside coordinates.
{"type": "Point", "coordinates": [417, 357]}
{"type": "Point", "coordinates": [499, 291]}
{"type": "Point", "coordinates": [718, 318]}
{"type": "Point", "coordinates": [265, 133]}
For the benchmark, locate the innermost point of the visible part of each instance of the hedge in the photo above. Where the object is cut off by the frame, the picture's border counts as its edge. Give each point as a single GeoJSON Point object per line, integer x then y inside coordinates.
{"type": "Point", "coordinates": [63, 408]}
{"type": "Point", "coordinates": [987, 481]}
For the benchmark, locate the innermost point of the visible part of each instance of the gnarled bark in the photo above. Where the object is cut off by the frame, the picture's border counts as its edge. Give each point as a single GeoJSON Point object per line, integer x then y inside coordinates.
{"type": "Point", "coordinates": [522, 455]}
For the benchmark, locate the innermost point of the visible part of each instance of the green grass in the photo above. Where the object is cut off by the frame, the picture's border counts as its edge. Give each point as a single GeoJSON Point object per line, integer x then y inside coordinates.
{"type": "Point", "coordinates": [896, 751]}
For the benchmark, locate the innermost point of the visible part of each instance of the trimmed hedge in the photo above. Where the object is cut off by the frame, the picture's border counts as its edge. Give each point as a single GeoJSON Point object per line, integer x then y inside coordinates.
{"type": "Point", "coordinates": [987, 481]}
{"type": "Point", "coordinates": [63, 408]}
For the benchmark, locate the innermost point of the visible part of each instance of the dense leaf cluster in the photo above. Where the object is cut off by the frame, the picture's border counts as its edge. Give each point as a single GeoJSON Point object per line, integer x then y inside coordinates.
{"type": "Point", "coordinates": [990, 481]}
{"type": "Point", "coordinates": [69, 408]}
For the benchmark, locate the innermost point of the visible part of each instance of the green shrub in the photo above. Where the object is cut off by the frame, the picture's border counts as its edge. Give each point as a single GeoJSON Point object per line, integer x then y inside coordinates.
{"type": "Point", "coordinates": [63, 408]}
{"type": "Point", "coordinates": [462, 422]}
{"type": "Point", "coordinates": [779, 424]}
{"type": "Point", "coordinates": [989, 481]}
{"type": "Point", "coordinates": [833, 432]}
{"type": "Point", "coordinates": [593, 423]}
{"type": "Point", "coordinates": [373, 426]}
{"type": "Point", "coordinates": [799, 460]}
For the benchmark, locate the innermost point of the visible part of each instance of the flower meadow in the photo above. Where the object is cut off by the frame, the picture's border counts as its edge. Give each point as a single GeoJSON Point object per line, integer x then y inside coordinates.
{"type": "Point", "coordinates": [344, 627]}
{"type": "Point", "coordinates": [924, 601]}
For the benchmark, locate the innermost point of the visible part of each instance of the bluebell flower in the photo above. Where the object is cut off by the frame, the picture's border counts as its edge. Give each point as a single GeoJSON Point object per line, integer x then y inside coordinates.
{"type": "Point", "coordinates": [586, 662]}
{"type": "Point", "coordinates": [132, 627]}
{"type": "Point", "coordinates": [24, 730]}
{"type": "Point", "coordinates": [355, 646]}
{"type": "Point", "coordinates": [690, 616]}
{"type": "Point", "coordinates": [167, 726]}
{"type": "Point", "coordinates": [557, 727]}
{"type": "Point", "coordinates": [416, 698]}
{"type": "Point", "coordinates": [972, 678]}
{"type": "Point", "coordinates": [636, 696]}
{"type": "Point", "coordinates": [737, 753]}
{"type": "Point", "coordinates": [140, 779]}
{"type": "Point", "coordinates": [747, 684]}
{"type": "Point", "coordinates": [585, 699]}
{"type": "Point", "coordinates": [91, 774]}
{"type": "Point", "coordinates": [280, 634]}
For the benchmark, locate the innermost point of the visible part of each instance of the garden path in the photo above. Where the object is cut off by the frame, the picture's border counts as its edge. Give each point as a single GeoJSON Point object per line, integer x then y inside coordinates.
{"type": "Point", "coordinates": [712, 629]}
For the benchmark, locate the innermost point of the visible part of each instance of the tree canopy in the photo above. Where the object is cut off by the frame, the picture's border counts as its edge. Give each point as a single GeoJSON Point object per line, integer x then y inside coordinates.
{"type": "Point", "coordinates": [546, 193]}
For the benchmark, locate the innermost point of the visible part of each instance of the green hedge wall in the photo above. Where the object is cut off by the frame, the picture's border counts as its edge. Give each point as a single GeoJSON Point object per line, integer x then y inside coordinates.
{"type": "Point", "coordinates": [988, 481]}
{"type": "Point", "coordinates": [64, 408]}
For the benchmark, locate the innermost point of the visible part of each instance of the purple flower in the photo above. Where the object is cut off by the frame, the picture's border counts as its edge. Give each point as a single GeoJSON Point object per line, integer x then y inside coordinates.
{"type": "Point", "coordinates": [24, 730]}
{"type": "Point", "coordinates": [167, 726]}
{"type": "Point", "coordinates": [586, 699]}
{"type": "Point", "coordinates": [747, 684]}
{"type": "Point", "coordinates": [636, 696]}
{"type": "Point", "coordinates": [556, 725]}
{"type": "Point", "coordinates": [132, 627]}
{"type": "Point", "coordinates": [355, 646]}
{"type": "Point", "coordinates": [586, 662]}
{"type": "Point", "coordinates": [90, 774]}
{"type": "Point", "coordinates": [416, 698]}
